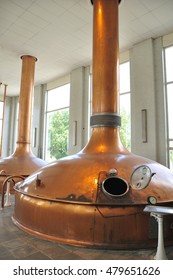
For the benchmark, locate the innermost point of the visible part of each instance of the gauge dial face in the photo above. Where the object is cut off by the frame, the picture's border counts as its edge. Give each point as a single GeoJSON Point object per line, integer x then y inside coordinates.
{"type": "Point", "coordinates": [152, 200]}
{"type": "Point", "coordinates": [140, 177]}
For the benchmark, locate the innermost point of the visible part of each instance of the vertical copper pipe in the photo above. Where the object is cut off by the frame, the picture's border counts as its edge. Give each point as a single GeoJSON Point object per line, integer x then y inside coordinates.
{"type": "Point", "coordinates": [105, 56]}
{"type": "Point", "coordinates": [105, 121]}
{"type": "Point", "coordinates": [25, 101]}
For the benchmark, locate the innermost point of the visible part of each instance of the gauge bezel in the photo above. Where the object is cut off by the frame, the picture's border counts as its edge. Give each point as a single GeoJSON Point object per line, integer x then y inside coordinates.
{"type": "Point", "coordinates": [150, 198]}
{"type": "Point", "coordinates": [144, 179]}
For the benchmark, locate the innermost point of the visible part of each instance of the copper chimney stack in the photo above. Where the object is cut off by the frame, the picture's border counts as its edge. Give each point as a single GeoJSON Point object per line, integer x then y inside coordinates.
{"type": "Point", "coordinates": [22, 161]}
{"type": "Point", "coordinates": [96, 197]}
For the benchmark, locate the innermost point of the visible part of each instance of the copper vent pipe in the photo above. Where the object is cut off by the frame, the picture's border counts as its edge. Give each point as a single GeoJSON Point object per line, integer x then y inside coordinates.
{"type": "Point", "coordinates": [105, 64]}
{"type": "Point", "coordinates": [105, 119]}
{"type": "Point", "coordinates": [25, 102]}
{"type": "Point", "coordinates": [96, 197]}
{"type": "Point", "coordinates": [22, 161]}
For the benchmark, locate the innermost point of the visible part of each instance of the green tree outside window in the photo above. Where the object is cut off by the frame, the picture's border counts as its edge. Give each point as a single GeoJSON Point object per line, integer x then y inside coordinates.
{"type": "Point", "coordinates": [58, 133]}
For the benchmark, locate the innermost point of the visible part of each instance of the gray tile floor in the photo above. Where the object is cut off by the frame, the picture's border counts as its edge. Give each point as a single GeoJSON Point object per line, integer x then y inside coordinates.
{"type": "Point", "coordinates": [16, 244]}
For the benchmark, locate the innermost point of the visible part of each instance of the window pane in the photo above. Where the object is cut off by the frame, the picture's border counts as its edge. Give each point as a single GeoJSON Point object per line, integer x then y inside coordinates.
{"type": "Point", "coordinates": [0, 131]}
{"type": "Point", "coordinates": [125, 131]}
{"type": "Point", "coordinates": [125, 77]}
{"type": "Point", "coordinates": [169, 63]}
{"type": "Point", "coordinates": [170, 111]}
{"type": "Point", "coordinates": [1, 109]}
{"type": "Point", "coordinates": [1, 120]}
{"type": "Point", "coordinates": [57, 134]}
{"type": "Point", "coordinates": [58, 98]}
{"type": "Point", "coordinates": [171, 144]}
{"type": "Point", "coordinates": [171, 159]}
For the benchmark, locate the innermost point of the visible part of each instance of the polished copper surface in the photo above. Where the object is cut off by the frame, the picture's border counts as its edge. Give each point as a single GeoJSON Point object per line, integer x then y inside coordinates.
{"type": "Point", "coordinates": [67, 201]}
{"type": "Point", "coordinates": [105, 57]}
{"type": "Point", "coordinates": [22, 161]}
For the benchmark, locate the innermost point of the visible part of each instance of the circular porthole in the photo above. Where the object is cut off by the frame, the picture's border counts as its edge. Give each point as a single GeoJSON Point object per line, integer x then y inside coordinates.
{"type": "Point", "coordinates": [115, 187]}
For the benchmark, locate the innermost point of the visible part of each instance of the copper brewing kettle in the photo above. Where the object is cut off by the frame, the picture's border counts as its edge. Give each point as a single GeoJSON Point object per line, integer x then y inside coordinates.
{"type": "Point", "coordinates": [23, 162]}
{"type": "Point", "coordinates": [97, 196]}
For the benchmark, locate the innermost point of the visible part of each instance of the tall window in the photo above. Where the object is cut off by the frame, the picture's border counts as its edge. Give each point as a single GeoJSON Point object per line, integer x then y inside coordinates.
{"type": "Point", "coordinates": [125, 131]}
{"type": "Point", "coordinates": [1, 120]}
{"type": "Point", "coordinates": [57, 123]}
{"type": "Point", "coordinates": [169, 101]}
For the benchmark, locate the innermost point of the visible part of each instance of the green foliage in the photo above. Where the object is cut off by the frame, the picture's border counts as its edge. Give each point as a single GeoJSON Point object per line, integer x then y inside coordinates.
{"type": "Point", "coordinates": [125, 129]}
{"type": "Point", "coordinates": [171, 159]}
{"type": "Point", "coordinates": [58, 133]}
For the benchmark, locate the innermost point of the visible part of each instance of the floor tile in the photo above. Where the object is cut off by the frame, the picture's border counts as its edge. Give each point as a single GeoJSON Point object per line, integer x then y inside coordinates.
{"type": "Point", "coordinates": [37, 256]}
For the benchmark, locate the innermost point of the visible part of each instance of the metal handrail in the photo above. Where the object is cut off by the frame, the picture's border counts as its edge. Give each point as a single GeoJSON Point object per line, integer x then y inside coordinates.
{"type": "Point", "coordinates": [4, 185]}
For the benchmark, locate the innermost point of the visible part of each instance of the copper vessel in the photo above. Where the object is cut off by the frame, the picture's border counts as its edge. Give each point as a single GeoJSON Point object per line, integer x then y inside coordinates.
{"type": "Point", "coordinates": [22, 161]}
{"type": "Point", "coordinates": [97, 196]}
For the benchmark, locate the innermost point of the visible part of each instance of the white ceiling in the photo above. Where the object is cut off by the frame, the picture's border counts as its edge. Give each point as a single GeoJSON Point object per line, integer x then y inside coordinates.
{"type": "Point", "coordinates": [59, 34]}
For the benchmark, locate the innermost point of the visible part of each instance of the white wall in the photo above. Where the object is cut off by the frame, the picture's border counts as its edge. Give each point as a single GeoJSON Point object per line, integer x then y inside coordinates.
{"type": "Point", "coordinates": [78, 126]}
{"type": "Point", "coordinates": [143, 97]}
{"type": "Point", "coordinates": [58, 82]}
{"type": "Point", "coordinates": [10, 126]}
{"type": "Point", "coordinates": [38, 121]}
{"type": "Point", "coordinates": [147, 92]}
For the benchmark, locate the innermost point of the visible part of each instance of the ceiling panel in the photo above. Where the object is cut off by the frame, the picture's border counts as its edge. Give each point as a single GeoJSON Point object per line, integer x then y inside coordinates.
{"type": "Point", "coordinates": [59, 34]}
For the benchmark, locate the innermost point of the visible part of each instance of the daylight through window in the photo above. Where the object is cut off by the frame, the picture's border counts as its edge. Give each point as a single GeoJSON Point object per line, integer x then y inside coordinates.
{"type": "Point", "coordinates": [168, 54]}
{"type": "Point", "coordinates": [57, 123]}
{"type": "Point", "coordinates": [125, 131]}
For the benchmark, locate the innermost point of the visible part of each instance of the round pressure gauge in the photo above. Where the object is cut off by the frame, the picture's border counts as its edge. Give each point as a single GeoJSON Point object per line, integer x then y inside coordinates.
{"type": "Point", "coordinates": [152, 200]}
{"type": "Point", "coordinates": [140, 177]}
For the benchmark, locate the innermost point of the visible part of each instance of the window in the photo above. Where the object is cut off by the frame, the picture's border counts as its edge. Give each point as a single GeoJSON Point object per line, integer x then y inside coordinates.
{"type": "Point", "coordinates": [125, 131]}
{"type": "Point", "coordinates": [1, 120]}
{"type": "Point", "coordinates": [168, 55]}
{"type": "Point", "coordinates": [57, 123]}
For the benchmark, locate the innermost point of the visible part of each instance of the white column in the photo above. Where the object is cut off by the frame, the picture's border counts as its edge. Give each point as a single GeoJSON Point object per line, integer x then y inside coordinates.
{"type": "Point", "coordinates": [160, 254]}
{"type": "Point", "coordinates": [143, 97]}
{"type": "Point", "coordinates": [78, 126]}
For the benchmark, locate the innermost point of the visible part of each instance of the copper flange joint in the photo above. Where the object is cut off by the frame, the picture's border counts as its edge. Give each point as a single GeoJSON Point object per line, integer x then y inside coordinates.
{"type": "Point", "coordinates": [36, 59]}
{"type": "Point", "coordinates": [105, 119]}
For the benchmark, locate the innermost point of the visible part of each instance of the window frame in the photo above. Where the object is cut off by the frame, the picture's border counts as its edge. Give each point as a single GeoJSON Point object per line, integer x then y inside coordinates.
{"type": "Point", "coordinates": [125, 93]}
{"type": "Point", "coordinates": [1, 125]}
{"type": "Point", "coordinates": [166, 84]}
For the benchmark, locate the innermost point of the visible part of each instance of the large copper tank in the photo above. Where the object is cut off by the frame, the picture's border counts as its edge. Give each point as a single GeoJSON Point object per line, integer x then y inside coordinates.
{"type": "Point", "coordinates": [97, 196]}
{"type": "Point", "coordinates": [23, 161]}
